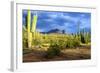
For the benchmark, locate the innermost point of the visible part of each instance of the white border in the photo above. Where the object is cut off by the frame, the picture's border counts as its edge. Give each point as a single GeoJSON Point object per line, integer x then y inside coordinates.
{"type": "Point", "coordinates": [17, 46]}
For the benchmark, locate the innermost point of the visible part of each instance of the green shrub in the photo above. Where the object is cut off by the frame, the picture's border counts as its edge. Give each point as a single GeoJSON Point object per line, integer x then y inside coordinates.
{"type": "Point", "coordinates": [87, 38]}
{"type": "Point", "coordinates": [53, 50]}
{"type": "Point", "coordinates": [25, 43]}
{"type": "Point", "coordinates": [36, 42]}
{"type": "Point", "coordinates": [72, 43]}
{"type": "Point", "coordinates": [24, 39]}
{"type": "Point", "coordinates": [62, 43]}
{"type": "Point", "coordinates": [83, 38]}
{"type": "Point", "coordinates": [69, 44]}
{"type": "Point", "coordinates": [76, 43]}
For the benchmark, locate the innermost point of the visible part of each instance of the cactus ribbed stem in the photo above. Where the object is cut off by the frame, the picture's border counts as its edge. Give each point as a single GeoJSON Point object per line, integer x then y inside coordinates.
{"type": "Point", "coordinates": [28, 28]}
{"type": "Point", "coordinates": [34, 22]}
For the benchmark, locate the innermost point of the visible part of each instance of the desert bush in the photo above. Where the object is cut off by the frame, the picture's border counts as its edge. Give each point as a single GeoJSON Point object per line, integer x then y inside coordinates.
{"type": "Point", "coordinates": [76, 43]}
{"type": "Point", "coordinates": [65, 41]}
{"type": "Point", "coordinates": [83, 38]}
{"type": "Point", "coordinates": [69, 44]}
{"type": "Point", "coordinates": [25, 43]}
{"type": "Point", "coordinates": [87, 38]}
{"type": "Point", "coordinates": [60, 40]}
{"type": "Point", "coordinates": [25, 40]}
{"type": "Point", "coordinates": [72, 42]}
{"type": "Point", "coordinates": [36, 42]}
{"type": "Point", "coordinates": [61, 43]}
{"type": "Point", "coordinates": [53, 50]}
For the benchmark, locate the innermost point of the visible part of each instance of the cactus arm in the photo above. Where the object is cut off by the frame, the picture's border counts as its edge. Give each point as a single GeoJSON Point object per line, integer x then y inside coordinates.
{"type": "Point", "coordinates": [34, 22]}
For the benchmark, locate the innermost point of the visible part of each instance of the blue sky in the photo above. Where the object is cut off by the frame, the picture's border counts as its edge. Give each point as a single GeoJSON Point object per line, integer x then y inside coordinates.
{"type": "Point", "coordinates": [68, 21]}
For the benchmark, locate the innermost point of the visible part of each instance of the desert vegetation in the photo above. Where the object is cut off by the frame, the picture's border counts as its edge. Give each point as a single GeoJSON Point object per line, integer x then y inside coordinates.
{"type": "Point", "coordinates": [38, 46]}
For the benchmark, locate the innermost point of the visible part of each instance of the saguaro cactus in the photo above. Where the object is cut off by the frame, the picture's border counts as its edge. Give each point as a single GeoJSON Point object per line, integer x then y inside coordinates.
{"type": "Point", "coordinates": [28, 29]}
{"type": "Point", "coordinates": [31, 32]}
{"type": "Point", "coordinates": [34, 22]}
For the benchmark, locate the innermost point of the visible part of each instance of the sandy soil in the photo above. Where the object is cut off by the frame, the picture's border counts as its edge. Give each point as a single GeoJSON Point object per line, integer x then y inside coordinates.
{"type": "Point", "coordinates": [79, 53]}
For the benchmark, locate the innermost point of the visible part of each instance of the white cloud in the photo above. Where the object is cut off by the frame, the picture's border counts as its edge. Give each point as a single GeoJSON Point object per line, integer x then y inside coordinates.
{"type": "Point", "coordinates": [61, 15]}
{"type": "Point", "coordinates": [40, 30]}
{"type": "Point", "coordinates": [53, 15]}
{"type": "Point", "coordinates": [85, 23]}
{"type": "Point", "coordinates": [49, 20]}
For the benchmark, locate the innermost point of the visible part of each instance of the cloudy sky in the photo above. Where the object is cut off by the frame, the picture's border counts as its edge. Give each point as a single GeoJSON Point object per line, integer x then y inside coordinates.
{"type": "Point", "coordinates": [68, 21]}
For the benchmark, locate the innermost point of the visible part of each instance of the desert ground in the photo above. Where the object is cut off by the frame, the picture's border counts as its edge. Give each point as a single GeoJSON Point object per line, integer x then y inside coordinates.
{"type": "Point", "coordinates": [80, 53]}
